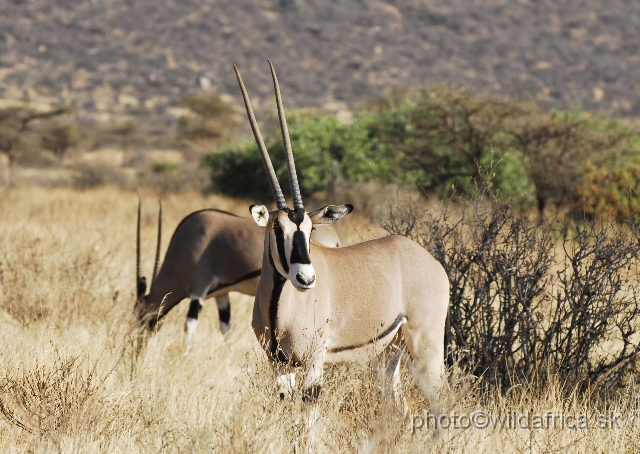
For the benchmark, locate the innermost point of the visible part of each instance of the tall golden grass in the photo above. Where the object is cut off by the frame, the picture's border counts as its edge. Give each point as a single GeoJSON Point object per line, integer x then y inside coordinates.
{"type": "Point", "coordinates": [71, 381]}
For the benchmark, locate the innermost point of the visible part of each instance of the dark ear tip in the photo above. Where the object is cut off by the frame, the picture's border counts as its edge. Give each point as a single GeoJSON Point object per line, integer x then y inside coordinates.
{"type": "Point", "coordinates": [251, 208]}
{"type": "Point", "coordinates": [349, 208]}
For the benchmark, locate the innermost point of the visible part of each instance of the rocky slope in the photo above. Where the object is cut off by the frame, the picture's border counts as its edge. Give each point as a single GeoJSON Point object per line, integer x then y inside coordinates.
{"type": "Point", "coordinates": [140, 56]}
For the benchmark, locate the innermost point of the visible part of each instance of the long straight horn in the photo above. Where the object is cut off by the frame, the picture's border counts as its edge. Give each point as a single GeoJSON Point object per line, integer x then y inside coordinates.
{"type": "Point", "coordinates": [156, 267]}
{"type": "Point", "coordinates": [291, 166]}
{"type": "Point", "coordinates": [266, 160]}
{"type": "Point", "coordinates": [138, 269]}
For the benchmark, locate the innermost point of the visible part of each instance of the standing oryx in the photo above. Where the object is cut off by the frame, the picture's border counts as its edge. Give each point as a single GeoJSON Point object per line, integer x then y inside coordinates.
{"type": "Point", "coordinates": [317, 305]}
{"type": "Point", "coordinates": [211, 253]}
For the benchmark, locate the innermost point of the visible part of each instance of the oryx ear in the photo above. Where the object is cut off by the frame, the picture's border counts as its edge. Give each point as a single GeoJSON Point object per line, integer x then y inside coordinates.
{"type": "Point", "coordinates": [329, 214]}
{"type": "Point", "coordinates": [260, 214]}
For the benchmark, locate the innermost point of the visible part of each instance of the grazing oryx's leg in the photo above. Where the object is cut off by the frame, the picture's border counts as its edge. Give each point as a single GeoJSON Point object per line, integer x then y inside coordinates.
{"type": "Point", "coordinates": [224, 311]}
{"type": "Point", "coordinates": [195, 306]}
{"type": "Point", "coordinates": [192, 316]}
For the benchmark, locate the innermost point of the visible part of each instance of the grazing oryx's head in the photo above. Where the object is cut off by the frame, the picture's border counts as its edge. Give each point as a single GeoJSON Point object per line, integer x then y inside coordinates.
{"type": "Point", "coordinates": [143, 308]}
{"type": "Point", "coordinates": [288, 229]}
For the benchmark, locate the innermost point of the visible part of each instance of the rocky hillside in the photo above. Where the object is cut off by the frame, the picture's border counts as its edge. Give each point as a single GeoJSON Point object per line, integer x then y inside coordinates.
{"type": "Point", "coordinates": [140, 56]}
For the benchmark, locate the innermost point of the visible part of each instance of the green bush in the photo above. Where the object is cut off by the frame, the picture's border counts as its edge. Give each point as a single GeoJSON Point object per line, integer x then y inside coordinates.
{"type": "Point", "coordinates": [445, 141]}
{"type": "Point", "coordinates": [442, 141]}
{"type": "Point", "coordinates": [325, 153]}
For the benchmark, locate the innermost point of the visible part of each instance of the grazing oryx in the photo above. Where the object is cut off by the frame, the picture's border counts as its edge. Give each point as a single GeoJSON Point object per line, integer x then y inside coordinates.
{"type": "Point", "coordinates": [211, 253]}
{"type": "Point", "coordinates": [317, 305]}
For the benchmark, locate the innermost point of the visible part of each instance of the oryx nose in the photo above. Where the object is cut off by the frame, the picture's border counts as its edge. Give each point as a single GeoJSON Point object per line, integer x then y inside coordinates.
{"type": "Point", "coordinates": [304, 281]}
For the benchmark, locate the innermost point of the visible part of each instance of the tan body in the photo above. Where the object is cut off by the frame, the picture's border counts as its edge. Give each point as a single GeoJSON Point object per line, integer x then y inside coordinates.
{"type": "Point", "coordinates": [211, 253]}
{"type": "Point", "coordinates": [357, 301]}
{"type": "Point", "coordinates": [361, 291]}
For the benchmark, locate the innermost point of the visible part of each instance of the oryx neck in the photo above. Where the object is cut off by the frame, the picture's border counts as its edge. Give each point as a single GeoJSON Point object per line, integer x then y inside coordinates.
{"type": "Point", "coordinates": [276, 291]}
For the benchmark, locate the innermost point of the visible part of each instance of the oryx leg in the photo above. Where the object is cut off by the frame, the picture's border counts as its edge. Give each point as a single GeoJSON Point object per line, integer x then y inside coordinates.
{"type": "Point", "coordinates": [286, 382]}
{"type": "Point", "coordinates": [426, 345]}
{"type": "Point", "coordinates": [311, 389]}
{"type": "Point", "coordinates": [224, 312]}
{"type": "Point", "coordinates": [389, 361]}
{"type": "Point", "coordinates": [195, 306]}
{"type": "Point", "coordinates": [392, 376]}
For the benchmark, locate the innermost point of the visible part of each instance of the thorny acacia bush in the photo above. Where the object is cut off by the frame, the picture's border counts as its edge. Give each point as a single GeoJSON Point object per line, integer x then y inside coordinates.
{"type": "Point", "coordinates": [530, 304]}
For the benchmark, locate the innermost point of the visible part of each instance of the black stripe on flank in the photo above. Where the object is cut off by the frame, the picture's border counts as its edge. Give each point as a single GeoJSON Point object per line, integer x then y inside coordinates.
{"type": "Point", "coordinates": [278, 285]}
{"type": "Point", "coordinates": [300, 253]}
{"type": "Point", "coordinates": [280, 245]}
{"type": "Point", "coordinates": [386, 332]}
{"type": "Point", "coordinates": [250, 275]}
{"type": "Point", "coordinates": [194, 309]}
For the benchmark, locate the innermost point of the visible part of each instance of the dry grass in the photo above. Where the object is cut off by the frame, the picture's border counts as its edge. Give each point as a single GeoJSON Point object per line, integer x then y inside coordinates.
{"type": "Point", "coordinates": [70, 381]}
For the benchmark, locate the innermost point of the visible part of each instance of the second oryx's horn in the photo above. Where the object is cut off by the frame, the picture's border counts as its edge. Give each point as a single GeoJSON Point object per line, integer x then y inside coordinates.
{"type": "Point", "coordinates": [291, 166]}
{"type": "Point", "coordinates": [156, 267]}
{"type": "Point", "coordinates": [266, 160]}
{"type": "Point", "coordinates": [141, 283]}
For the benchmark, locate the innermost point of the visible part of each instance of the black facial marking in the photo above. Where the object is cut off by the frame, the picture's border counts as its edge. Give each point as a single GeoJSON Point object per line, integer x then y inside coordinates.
{"type": "Point", "coordinates": [300, 253]}
{"type": "Point", "coordinates": [250, 275]}
{"type": "Point", "coordinates": [194, 309]}
{"type": "Point", "coordinates": [278, 285]}
{"type": "Point", "coordinates": [384, 334]}
{"type": "Point", "coordinates": [280, 244]}
{"type": "Point", "coordinates": [296, 216]}
{"type": "Point", "coordinates": [225, 314]}
{"type": "Point", "coordinates": [310, 395]}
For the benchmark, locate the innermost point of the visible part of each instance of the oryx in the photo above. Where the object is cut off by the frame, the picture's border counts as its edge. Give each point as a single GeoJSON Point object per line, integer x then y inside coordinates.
{"type": "Point", "coordinates": [317, 305]}
{"type": "Point", "coordinates": [211, 253]}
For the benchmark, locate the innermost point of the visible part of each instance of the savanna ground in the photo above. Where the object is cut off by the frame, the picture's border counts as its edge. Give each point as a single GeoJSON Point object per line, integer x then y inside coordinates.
{"type": "Point", "coordinates": [71, 380]}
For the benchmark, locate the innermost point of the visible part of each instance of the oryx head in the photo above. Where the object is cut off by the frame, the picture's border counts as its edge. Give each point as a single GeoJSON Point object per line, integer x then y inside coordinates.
{"type": "Point", "coordinates": [144, 308]}
{"type": "Point", "coordinates": [288, 229]}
